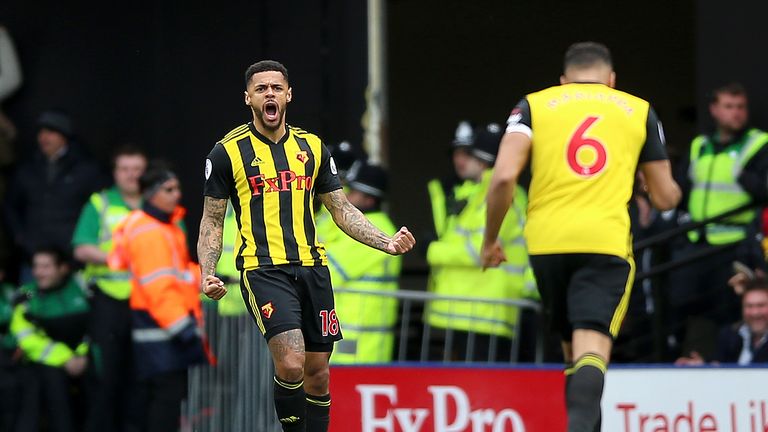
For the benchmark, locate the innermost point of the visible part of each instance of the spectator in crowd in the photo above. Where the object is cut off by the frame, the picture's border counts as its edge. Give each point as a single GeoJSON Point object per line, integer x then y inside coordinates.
{"type": "Point", "coordinates": [368, 337]}
{"type": "Point", "coordinates": [50, 325]}
{"type": "Point", "coordinates": [48, 192]}
{"type": "Point", "coordinates": [479, 331]}
{"type": "Point", "coordinates": [165, 305]}
{"type": "Point", "coordinates": [745, 342]}
{"type": "Point", "coordinates": [726, 170]}
{"type": "Point", "coordinates": [10, 81]}
{"type": "Point", "coordinates": [110, 331]}
{"type": "Point", "coordinates": [9, 356]}
{"type": "Point", "coordinates": [448, 195]}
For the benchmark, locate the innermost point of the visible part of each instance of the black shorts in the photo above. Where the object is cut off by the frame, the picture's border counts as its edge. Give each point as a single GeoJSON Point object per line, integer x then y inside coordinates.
{"type": "Point", "coordinates": [584, 291]}
{"type": "Point", "coordinates": [289, 297]}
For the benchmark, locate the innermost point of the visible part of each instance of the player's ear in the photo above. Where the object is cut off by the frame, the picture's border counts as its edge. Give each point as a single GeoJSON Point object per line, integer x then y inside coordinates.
{"type": "Point", "coordinates": [289, 95]}
{"type": "Point", "coordinates": [612, 80]}
{"type": "Point", "coordinates": [247, 98]}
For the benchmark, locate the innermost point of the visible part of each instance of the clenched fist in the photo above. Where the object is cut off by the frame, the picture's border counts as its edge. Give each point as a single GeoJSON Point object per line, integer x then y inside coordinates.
{"type": "Point", "coordinates": [401, 242]}
{"type": "Point", "coordinates": [213, 287]}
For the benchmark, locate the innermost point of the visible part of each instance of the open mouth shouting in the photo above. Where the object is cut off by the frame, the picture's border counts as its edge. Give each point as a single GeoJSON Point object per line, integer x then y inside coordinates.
{"type": "Point", "coordinates": [271, 112]}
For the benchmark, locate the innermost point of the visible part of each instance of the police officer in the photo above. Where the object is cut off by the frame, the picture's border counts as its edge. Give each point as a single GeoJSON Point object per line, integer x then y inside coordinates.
{"type": "Point", "coordinates": [448, 195]}
{"type": "Point", "coordinates": [726, 169]}
{"type": "Point", "coordinates": [479, 331]}
{"type": "Point", "coordinates": [368, 319]}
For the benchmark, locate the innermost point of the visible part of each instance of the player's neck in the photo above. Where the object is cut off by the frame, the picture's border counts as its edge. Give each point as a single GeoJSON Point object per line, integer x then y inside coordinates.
{"type": "Point", "coordinates": [273, 135]}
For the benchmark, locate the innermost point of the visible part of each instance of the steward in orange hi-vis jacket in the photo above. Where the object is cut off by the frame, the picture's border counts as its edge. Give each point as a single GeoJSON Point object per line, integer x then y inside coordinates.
{"type": "Point", "coordinates": [165, 305]}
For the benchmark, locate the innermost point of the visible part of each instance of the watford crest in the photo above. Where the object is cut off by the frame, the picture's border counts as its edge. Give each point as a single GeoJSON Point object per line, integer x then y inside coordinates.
{"type": "Point", "coordinates": [302, 156]}
{"type": "Point", "coordinates": [267, 310]}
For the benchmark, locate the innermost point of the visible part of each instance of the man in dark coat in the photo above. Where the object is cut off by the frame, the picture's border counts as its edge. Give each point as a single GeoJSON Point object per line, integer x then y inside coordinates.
{"type": "Point", "coordinates": [47, 192]}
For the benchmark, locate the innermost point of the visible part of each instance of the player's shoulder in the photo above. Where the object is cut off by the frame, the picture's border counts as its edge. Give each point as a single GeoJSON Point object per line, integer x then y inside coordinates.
{"type": "Point", "coordinates": [301, 133]}
{"type": "Point", "coordinates": [234, 134]}
{"type": "Point", "coordinates": [633, 98]}
{"type": "Point", "coordinates": [543, 92]}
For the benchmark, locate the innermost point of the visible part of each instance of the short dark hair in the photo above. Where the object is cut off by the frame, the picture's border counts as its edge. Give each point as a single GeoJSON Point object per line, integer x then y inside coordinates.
{"type": "Point", "coordinates": [732, 88]}
{"type": "Point", "coordinates": [127, 149]}
{"type": "Point", "coordinates": [265, 66]}
{"type": "Point", "coordinates": [586, 54]}
{"type": "Point", "coordinates": [157, 173]}
{"type": "Point", "coordinates": [759, 284]}
{"type": "Point", "coordinates": [60, 257]}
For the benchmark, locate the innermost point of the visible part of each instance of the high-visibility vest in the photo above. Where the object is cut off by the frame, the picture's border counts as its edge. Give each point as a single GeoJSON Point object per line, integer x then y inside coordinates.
{"type": "Point", "coordinates": [716, 189]}
{"type": "Point", "coordinates": [114, 283]}
{"type": "Point", "coordinates": [231, 304]}
{"type": "Point", "coordinates": [35, 320]}
{"type": "Point", "coordinates": [367, 321]}
{"type": "Point", "coordinates": [455, 269]}
{"type": "Point", "coordinates": [446, 204]}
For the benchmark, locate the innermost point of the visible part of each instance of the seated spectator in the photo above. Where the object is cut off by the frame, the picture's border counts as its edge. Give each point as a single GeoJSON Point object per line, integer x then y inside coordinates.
{"type": "Point", "coordinates": [745, 342]}
{"type": "Point", "coordinates": [47, 193]}
{"type": "Point", "coordinates": [50, 325]}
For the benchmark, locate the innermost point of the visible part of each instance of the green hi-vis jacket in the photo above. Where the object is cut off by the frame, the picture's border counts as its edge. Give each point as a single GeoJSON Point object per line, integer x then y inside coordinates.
{"type": "Point", "coordinates": [103, 212]}
{"type": "Point", "coordinates": [50, 325]}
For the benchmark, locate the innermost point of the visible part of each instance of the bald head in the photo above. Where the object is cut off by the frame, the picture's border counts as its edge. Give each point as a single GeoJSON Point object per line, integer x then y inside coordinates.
{"type": "Point", "coordinates": [588, 62]}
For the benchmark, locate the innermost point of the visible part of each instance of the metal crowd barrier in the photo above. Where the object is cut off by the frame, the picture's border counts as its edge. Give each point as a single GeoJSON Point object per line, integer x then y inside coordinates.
{"type": "Point", "coordinates": [236, 395]}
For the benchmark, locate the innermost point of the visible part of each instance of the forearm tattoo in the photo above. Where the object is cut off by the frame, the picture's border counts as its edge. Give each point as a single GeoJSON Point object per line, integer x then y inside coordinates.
{"type": "Point", "coordinates": [209, 243]}
{"type": "Point", "coordinates": [353, 222]}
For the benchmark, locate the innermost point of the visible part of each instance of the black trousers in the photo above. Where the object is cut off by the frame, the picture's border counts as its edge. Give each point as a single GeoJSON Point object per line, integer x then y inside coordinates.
{"type": "Point", "coordinates": [111, 387]}
{"type": "Point", "coordinates": [46, 398]}
{"type": "Point", "coordinates": [162, 395]}
{"type": "Point", "coordinates": [9, 396]}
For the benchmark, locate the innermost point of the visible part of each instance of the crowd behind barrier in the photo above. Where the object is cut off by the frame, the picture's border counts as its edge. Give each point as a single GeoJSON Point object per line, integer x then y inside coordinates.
{"type": "Point", "coordinates": [700, 295]}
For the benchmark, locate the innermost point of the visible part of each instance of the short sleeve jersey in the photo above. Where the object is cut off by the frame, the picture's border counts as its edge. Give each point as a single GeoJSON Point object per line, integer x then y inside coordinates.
{"type": "Point", "coordinates": [587, 140]}
{"type": "Point", "coordinates": [272, 186]}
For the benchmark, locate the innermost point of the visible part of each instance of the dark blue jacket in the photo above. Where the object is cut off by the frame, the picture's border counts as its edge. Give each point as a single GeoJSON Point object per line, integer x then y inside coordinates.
{"type": "Point", "coordinates": [43, 211]}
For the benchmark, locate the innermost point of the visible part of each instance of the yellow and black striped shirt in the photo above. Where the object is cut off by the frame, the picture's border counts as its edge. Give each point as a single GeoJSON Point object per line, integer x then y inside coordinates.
{"type": "Point", "coordinates": [272, 186]}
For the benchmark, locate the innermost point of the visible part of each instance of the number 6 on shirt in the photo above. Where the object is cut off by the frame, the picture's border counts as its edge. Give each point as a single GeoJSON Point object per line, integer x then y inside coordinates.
{"type": "Point", "coordinates": [577, 142]}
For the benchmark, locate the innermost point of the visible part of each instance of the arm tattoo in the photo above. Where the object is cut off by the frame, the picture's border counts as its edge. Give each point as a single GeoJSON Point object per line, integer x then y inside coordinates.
{"type": "Point", "coordinates": [283, 344]}
{"type": "Point", "coordinates": [353, 222]}
{"type": "Point", "coordinates": [209, 243]}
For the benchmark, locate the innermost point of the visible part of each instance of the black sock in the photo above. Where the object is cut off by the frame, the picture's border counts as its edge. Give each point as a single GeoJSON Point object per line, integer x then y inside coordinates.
{"type": "Point", "coordinates": [290, 405]}
{"type": "Point", "coordinates": [318, 413]}
{"type": "Point", "coordinates": [584, 389]}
